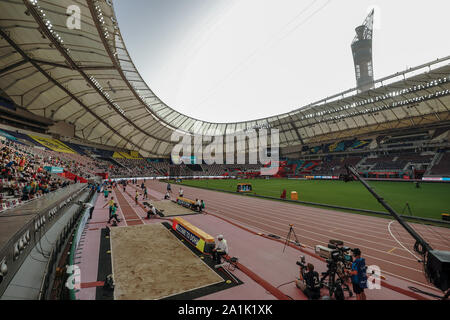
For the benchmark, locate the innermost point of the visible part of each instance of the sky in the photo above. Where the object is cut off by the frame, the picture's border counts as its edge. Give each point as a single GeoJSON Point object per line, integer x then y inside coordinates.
{"type": "Point", "coordinates": [238, 60]}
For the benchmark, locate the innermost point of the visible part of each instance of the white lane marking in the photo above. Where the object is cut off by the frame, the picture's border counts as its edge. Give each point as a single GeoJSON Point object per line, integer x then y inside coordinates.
{"type": "Point", "coordinates": [389, 228]}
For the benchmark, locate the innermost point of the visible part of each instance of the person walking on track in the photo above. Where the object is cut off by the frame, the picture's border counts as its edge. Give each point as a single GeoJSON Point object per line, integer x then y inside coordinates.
{"type": "Point", "coordinates": [111, 205]}
{"type": "Point", "coordinates": [145, 195]}
{"type": "Point", "coordinates": [114, 215]}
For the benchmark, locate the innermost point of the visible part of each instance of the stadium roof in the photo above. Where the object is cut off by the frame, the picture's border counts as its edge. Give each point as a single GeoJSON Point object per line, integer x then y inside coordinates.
{"type": "Point", "coordinates": [87, 78]}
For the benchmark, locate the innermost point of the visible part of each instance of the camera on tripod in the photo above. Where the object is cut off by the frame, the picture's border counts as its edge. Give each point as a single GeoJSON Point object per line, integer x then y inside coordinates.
{"type": "Point", "coordinates": [340, 253]}
{"type": "Point", "coordinates": [338, 258]}
{"type": "Point", "coordinates": [335, 252]}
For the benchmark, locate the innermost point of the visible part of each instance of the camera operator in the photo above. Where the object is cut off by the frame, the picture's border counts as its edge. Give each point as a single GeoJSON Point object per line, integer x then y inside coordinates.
{"type": "Point", "coordinates": [309, 282]}
{"type": "Point", "coordinates": [359, 276]}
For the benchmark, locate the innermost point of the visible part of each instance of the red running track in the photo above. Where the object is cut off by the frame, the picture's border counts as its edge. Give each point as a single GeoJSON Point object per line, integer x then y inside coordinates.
{"type": "Point", "coordinates": [314, 226]}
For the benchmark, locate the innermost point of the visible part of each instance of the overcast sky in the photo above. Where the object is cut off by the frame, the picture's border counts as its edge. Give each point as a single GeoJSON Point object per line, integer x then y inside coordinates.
{"type": "Point", "coordinates": [236, 60]}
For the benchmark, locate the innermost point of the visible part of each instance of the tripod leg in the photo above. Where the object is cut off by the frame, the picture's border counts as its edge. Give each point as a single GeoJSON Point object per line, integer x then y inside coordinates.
{"type": "Point", "coordinates": [345, 285]}
{"type": "Point", "coordinates": [321, 281]}
{"type": "Point", "coordinates": [288, 237]}
{"type": "Point", "coordinates": [410, 211]}
{"type": "Point", "coordinates": [332, 286]}
{"type": "Point", "coordinates": [295, 237]}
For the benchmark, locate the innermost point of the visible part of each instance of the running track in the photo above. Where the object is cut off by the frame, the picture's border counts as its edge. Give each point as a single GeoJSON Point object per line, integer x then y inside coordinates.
{"type": "Point", "coordinates": [314, 226]}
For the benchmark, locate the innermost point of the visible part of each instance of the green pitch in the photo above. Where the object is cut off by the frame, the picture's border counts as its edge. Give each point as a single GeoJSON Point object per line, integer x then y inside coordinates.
{"type": "Point", "coordinates": [430, 201]}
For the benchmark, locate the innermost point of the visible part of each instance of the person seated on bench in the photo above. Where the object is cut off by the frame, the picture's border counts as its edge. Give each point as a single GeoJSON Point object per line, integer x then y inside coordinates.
{"type": "Point", "coordinates": [167, 196]}
{"type": "Point", "coordinates": [220, 250]}
{"type": "Point", "coordinates": [151, 212]}
{"type": "Point", "coordinates": [181, 192]}
{"type": "Point", "coordinates": [198, 205]}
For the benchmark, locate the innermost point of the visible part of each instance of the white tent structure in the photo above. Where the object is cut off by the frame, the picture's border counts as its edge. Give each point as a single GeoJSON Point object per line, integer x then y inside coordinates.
{"type": "Point", "coordinates": [86, 77]}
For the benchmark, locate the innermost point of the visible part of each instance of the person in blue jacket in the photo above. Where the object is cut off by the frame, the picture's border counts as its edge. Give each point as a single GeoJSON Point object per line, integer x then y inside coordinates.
{"type": "Point", "coordinates": [359, 275]}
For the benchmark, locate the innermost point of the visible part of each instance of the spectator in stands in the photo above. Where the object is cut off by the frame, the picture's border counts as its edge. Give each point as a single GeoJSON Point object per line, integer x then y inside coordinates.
{"type": "Point", "coordinates": [45, 188]}
{"type": "Point", "coordinates": [359, 275]}
{"type": "Point", "coordinates": [309, 282]}
{"type": "Point", "coordinates": [220, 249]}
{"type": "Point", "coordinates": [26, 192]}
{"type": "Point", "coordinates": [34, 188]}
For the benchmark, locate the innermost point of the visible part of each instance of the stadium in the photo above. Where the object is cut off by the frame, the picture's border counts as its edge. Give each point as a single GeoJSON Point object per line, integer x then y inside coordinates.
{"type": "Point", "coordinates": [108, 193]}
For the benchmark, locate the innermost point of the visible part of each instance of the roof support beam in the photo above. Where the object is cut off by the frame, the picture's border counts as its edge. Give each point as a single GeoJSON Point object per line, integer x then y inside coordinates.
{"type": "Point", "coordinates": [59, 65]}
{"type": "Point", "coordinates": [13, 66]}
{"type": "Point", "coordinates": [53, 64]}
{"type": "Point", "coordinates": [57, 84]}
{"type": "Point", "coordinates": [113, 59]}
{"type": "Point", "coordinates": [74, 66]}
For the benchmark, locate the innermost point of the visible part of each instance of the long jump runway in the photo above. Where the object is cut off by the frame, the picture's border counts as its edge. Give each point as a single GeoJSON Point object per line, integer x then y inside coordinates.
{"type": "Point", "coordinates": [380, 240]}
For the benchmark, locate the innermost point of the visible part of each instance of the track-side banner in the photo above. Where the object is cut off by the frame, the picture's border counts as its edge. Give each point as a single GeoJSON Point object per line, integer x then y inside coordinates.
{"type": "Point", "coordinates": [7, 135]}
{"type": "Point", "coordinates": [52, 144]}
{"type": "Point", "coordinates": [200, 239]}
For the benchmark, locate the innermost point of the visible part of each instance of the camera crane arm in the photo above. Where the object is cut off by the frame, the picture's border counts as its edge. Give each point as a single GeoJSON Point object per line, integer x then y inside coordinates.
{"type": "Point", "coordinates": [436, 263]}
{"type": "Point", "coordinates": [425, 246]}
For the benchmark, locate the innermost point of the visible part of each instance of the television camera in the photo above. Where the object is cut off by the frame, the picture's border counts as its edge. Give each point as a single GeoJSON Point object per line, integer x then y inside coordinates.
{"type": "Point", "coordinates": [310, 284]}
{"type": "Point", "coordinates": [339, 259]}
{"type": "Point", "coordinates": [335, 279]}
{"type": "Point", "coordinates": [302, 265]}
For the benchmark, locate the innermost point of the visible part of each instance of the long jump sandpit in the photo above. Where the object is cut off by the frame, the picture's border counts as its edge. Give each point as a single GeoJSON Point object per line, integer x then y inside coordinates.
{"type": "Point", "coordinates": [171, 208]}
{"type": "Point", "coordinates": [150, 263]}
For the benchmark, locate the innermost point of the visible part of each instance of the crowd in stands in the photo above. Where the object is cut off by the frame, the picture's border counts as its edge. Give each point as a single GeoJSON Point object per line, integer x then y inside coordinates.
{"type": "Point", "coordinates": [330, 159]}
{"type": "Point", "coordinates": [328, 166]}
{"type": "Point", "coordinates": [79, 165]}
{"type": "Point", "coordinates": [23, 177]}
{"type": "Point", "coordinates": [137, 167]}
{"type": "Point", "coordinates": [442, 167]}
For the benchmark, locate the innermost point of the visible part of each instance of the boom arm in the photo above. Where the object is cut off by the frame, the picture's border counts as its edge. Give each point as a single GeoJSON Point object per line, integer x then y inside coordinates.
{"type": "Point", "coordinates": [425, 246]}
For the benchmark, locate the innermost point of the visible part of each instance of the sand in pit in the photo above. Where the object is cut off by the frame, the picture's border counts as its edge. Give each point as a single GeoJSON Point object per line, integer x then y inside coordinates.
{"type": "Point", "coordinates": [171, 208]}
{"type": "Point", "coordinates": [151, 263]}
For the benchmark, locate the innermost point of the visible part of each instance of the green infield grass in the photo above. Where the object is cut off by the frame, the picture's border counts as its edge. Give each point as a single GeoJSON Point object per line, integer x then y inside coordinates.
{"type": "Point", "coordinates": [429, 201]}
